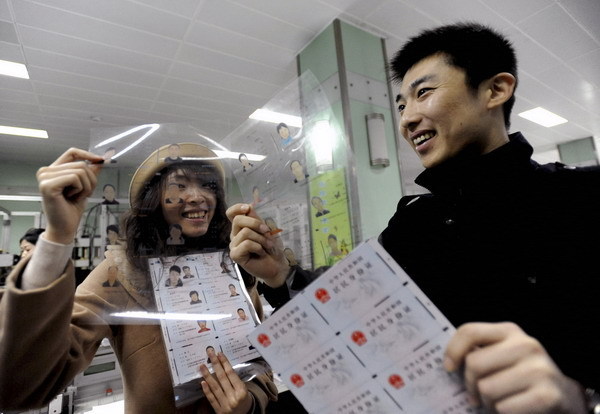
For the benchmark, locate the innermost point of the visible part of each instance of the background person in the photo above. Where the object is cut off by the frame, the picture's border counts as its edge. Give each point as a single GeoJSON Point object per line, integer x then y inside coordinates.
{"type": "Point", "coordinates": [108, 194]}
{"type": "Point", "coordinates": [28, 241]}
{"type": "Point", "coordinates": [112, 234]}
{"type": "Point", "coordinates": [499, 238]}
{"type": "Point", "coordinates": [40, 304]}
{"type": "Point", "coordinates": [284, 133]}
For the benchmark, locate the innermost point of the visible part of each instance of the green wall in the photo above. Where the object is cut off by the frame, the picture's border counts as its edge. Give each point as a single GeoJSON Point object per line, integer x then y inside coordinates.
{"type": "Point", "coordinates": [363, 55]}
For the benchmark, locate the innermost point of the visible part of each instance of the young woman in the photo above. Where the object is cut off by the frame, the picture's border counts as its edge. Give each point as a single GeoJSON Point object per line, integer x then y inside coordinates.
{"type": "Point", "coordinates": [49, 332]}
{"type": "Point", "coordinates": [28, 241]}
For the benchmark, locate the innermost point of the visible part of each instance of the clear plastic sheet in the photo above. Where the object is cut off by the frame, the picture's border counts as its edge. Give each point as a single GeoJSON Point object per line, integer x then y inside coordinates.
{"type": "Point", "coordinates": [150, 245]}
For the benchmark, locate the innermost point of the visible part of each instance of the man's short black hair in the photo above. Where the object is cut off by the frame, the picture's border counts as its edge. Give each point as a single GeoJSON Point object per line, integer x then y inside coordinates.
{"type": "Point", "coordinates": [175, 268]}
{"type": "Point", "coordinates": [479, 50]}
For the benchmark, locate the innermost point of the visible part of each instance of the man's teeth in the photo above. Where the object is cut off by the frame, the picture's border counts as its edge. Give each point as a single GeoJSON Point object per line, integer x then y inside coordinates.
{"type": "Point", "coordinates": [196, 214]}
{"type": "Point", "coordinates": [422, 138]}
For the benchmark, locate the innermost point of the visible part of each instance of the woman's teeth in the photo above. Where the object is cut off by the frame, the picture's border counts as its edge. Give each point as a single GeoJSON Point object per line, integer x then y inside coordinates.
{"type": "Point", "coordinates": [195, 215]}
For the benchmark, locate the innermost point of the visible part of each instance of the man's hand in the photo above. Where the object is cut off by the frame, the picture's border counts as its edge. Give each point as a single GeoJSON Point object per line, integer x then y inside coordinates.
{"type": "Point", "coordinates": [509, 372]}
{"type": "Point", "coordinates": [254, 248]}
{"type": "Point", "coordinates": [225, 391]}
{"type": "Point", "coordinates": [65, 186]}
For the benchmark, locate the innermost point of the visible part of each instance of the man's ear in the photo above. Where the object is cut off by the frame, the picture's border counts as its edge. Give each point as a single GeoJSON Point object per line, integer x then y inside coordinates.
{"type": "Point", "coordinates": [500, 89]}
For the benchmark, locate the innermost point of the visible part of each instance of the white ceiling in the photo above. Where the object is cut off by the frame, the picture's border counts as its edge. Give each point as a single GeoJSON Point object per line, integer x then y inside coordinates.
{"type": "Point", "coordinates": [105, 63]}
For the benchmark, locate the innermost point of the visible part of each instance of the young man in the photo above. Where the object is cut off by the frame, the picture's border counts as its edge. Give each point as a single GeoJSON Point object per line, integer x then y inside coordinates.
{"type": "Point", "coordinates": [500, 239]}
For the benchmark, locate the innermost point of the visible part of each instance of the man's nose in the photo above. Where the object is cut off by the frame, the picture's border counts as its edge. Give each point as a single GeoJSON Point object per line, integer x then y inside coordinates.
{"type": "Point", "coordinates": [409, 118]}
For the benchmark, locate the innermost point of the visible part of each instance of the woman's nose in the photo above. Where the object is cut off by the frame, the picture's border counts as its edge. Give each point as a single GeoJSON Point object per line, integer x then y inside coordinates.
{"type": "Point", "coordinates": [195, 194]}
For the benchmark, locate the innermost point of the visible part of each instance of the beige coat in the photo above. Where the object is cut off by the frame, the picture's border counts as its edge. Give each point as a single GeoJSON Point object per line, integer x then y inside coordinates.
{"type": "Point", "coordinates": [49, 335]}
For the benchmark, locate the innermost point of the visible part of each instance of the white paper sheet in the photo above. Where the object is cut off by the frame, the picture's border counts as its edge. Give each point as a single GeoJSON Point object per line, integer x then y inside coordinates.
{"type": "Point", "coordinates": [363, 338]}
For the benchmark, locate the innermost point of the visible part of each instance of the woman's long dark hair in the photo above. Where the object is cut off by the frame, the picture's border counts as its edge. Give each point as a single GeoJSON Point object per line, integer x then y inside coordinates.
{"type": "Point", "coordinates": [146, 230]}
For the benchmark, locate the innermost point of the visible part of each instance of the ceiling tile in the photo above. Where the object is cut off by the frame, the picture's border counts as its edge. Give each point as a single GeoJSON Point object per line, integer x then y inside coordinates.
{"type": "Point", "coordinates": [213, 93]}
{"type": "Point", "coordinates": [53, 42]}
{"type": "Point", "coordinates": [213, 106]}
{"type": "Point", "coordinates": [250, 23]}
{"type": "Point", "coordinates": [458, 10]}
{"type": "Point", "coordinates": [191, 73]}
{"type": "Point", "coordinates": [589, 66]}
{"type": "Point", "coordinates": [310, 15]}
{"type": "Point", "coordinates": [532, 57]}
{"type": "Point", "coordinates": [362, 9]}
{"type": "Point", "coordinates": [231, 64]}
{"type": "Point", "coordinates": [399, 20]}
{"type": "Point", "coordinates": [60, 21]}
{"type": "Point", "coordinates": [91, 108]}
{"type": "Point", "coordinates": [84, 95]}
{"type": "Point", "coordinates": [12, 96]}
{"type": "Point", "coordinates": [5, 11]}
{"type": "Point", "coordinates": [72, 80]}
{"type": "Point", "coordinates": [516, 14]}
{"type": "Point", "coordinates": [11, 52]}
{"type": "Point", "coordinates": [8, 33]}
{"type": "Point", "coordinates": [235, 44]}
{"type": "Point", "coordinates": [87, 68]}
{"type": "Point", "coordinates": [567, 83]}
{"type": "Point", "coordinates": [556, 31]}
{"type": "Point", "coordinates": [17, 84]}
{"type": "Point", "coordinates": [586, 13]}
{"type": "Point", "coordinates": [127, 14]}
{"type": "Point", "coordinates": [181, 7]}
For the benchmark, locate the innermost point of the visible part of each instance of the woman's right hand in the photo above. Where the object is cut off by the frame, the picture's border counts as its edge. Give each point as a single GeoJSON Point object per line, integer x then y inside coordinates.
{"type": "Point", "coordinates": [254, 248]}
{"type": "Point", "coordinates": [65, 186]}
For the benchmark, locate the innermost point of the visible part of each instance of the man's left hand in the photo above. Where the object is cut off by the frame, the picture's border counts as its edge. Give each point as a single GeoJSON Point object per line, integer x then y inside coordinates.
{"type": "Point", "coordinates": [509, 372]}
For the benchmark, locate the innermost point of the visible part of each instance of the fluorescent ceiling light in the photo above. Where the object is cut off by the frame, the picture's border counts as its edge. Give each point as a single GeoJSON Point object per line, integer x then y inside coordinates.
{"type": "Point", "coordinates": [20, 198]}
{"type": "Point", "coordinates": [18, 70]}
{"type": "Point", "coordinates": [23, 132]}
{"type": "Point", "coordinates": [543, 117]}
{"type": "Point", "coordinates": [276, 117]}
{"type": "Point", "coordinates": [151, 129]}
{"type": "Point", "coordinates": [236, 155]}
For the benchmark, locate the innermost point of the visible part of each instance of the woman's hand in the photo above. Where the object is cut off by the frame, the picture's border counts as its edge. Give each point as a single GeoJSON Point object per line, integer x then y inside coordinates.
{"type": "Point", "coordinates": [65, 186]}
{"type": "Point", "coordinates": [509, 372]}
{"type": "Point", "coordinates": [225, 391]}
{"type": "Point", "coordinates": [254, 248]}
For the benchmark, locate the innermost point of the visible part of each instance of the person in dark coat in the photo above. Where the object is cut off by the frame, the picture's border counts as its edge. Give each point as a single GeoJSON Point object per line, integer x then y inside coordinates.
{"type": "Point", "coordinates": [499, 239]}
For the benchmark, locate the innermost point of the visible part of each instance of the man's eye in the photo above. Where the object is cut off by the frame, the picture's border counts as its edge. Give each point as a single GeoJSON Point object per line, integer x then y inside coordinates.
{"type": "Point", "coordinates": [401, 107]}
{"type": "Point", "coordinates": [421, 91]}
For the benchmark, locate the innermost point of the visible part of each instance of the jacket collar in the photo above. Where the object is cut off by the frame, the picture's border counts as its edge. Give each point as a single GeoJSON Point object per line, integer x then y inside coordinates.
{"type": "Point", "coordinates": [496, 168]}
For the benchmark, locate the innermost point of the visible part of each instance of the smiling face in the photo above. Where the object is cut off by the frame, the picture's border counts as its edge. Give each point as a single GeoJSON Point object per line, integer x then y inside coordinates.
{"type": "Point", "coordinates": [440, 116]}
{"type": "Point", "coordinates": [196, 211]}
{"type": "Point", "coordinates": [283, 132]}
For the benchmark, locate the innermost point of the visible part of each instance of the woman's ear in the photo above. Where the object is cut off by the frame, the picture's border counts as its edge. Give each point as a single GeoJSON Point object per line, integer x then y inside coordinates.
{"type": "Point", "coordinates": [501, 88]}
